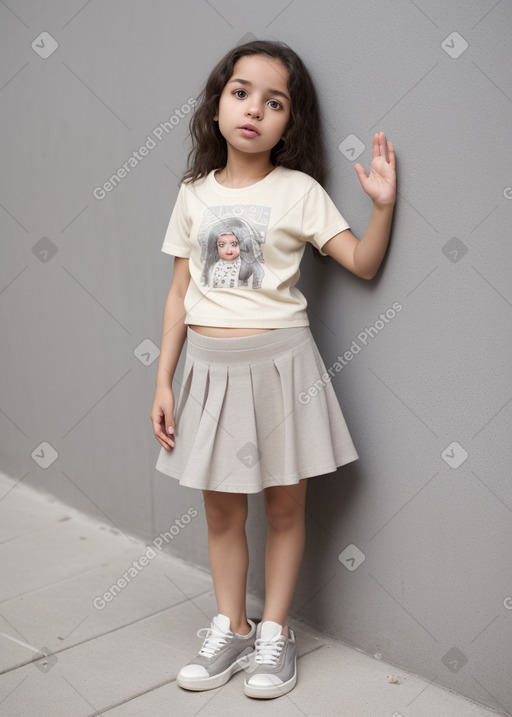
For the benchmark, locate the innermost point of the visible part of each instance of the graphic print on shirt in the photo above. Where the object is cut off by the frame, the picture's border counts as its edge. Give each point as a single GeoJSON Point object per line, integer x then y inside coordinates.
{"type": "Point", "coordinates": [231, 240]}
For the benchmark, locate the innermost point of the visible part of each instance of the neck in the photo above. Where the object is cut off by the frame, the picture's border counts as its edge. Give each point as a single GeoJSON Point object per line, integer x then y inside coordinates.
{"type": "Point", "coordinates": [242, 169]}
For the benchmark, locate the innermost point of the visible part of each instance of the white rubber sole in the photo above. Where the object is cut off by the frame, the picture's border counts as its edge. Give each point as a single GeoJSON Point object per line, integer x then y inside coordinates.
{"type": "Point", "coordinates": [208, 683]}
{"type": "Point", "coordinates": [273, 691]}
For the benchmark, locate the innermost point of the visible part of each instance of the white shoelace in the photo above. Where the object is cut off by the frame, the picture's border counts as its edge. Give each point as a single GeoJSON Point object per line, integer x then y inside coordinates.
{"type": "Point", "coordinates": [213, 642]}
{"type": "Point", "coordinates": [268, 652]}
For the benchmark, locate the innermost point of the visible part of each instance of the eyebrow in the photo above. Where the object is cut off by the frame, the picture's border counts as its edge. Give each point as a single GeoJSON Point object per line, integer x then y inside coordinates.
{"type": "Point", "coordinates": [270, 91]}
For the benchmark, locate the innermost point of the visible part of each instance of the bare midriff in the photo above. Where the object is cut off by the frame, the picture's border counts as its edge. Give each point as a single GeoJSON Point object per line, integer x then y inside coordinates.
{"type": "Point", "coordinates": [225, 331]}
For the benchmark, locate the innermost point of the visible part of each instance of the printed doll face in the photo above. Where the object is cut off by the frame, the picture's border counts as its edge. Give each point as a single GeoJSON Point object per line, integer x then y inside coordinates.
{"type": "Point", "coordinates": [228, 247]}
{"type": "Point", "coordinates": [256, 94]}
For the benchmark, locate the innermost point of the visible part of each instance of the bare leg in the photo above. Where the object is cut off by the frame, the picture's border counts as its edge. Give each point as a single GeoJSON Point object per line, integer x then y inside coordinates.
{"type": "Point", "coordinates": [286, 537]}
{"type": "Point", "coordinates": [226, 514]}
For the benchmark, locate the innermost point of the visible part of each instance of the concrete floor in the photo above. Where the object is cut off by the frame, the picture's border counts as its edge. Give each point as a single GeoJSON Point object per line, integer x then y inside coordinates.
{"type": "Point", "coordinates": [62, 655]}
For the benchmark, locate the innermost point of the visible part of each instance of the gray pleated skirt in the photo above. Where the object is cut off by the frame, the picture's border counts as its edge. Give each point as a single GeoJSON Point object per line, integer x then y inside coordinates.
{"type": "Point", "coordinates": [254, 412]}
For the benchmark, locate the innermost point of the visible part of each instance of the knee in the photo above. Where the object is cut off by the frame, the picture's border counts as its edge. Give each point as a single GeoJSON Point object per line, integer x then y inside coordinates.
{"type": "Point", "coordinates": [283, 515]}
{"type": "Point", "coordinates": [221, 519]}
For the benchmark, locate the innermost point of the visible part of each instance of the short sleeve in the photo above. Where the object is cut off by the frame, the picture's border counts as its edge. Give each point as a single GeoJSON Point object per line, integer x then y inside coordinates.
{"type": "Point", "coordinates": [177, 236]}
{"type": "Point", "coordinates": [321, 219]}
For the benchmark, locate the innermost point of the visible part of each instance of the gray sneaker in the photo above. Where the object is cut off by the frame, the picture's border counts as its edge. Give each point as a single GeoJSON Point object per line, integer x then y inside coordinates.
{"type": "Point", "coordinates": [272, 670]}
{"type": "Point", "coordinates": [219, 656]}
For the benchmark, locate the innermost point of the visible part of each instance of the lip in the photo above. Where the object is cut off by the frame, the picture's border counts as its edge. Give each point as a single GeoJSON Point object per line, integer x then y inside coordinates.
{"type": "Point", "coordinates": [249, 126]}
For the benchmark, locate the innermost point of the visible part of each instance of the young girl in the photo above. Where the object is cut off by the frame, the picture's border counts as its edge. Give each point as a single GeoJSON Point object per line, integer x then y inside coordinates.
{"type": "Point", "coordinates": [256, 411]}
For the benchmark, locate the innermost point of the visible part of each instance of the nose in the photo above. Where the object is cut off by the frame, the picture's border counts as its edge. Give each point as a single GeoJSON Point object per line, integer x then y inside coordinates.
{"type": "Point", "coordinates": [254, 109]}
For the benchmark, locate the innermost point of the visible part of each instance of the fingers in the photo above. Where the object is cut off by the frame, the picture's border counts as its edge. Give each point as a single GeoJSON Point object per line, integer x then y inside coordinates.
{"type": "Point", "coordinates": [383, 148]}
{"type": "Point", "coordinates": [170, 436]}
{"type": "Point", "coordinates": [360, 173]}
{"type": "Point", "coordinates": [391, 152]}
{"type": "Point", "coordinates": [168, 430]}
{"type": "Point", "coordinates": [375, 145]}
{"type": "Point", "coordinates": [165, 442]}
{"type": "Point", "coordinates": [165, 439]}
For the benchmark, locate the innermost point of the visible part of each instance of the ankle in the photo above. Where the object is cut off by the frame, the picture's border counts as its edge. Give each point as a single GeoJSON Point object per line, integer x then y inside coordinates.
{"type": "Point", "coordinates": [243, 628]}
{"type": "Point", "coordinates": [284, 627]}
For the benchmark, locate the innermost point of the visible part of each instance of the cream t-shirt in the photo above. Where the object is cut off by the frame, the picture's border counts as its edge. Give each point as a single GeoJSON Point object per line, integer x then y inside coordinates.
{"type": "Point", "coordinates": [245, 246]}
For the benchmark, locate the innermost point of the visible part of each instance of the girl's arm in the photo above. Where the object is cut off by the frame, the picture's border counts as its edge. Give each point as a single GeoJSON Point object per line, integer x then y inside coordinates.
{"type": "Point", "coordinates": [174, 332]}
{"type": "Point", "coordinates": [364, 257]}
{"type": "Point", "coordinates": [174, 329]}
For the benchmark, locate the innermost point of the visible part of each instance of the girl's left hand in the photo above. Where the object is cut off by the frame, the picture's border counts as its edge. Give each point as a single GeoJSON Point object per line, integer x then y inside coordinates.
{"type": "Point", "coordinates": [380, 184]}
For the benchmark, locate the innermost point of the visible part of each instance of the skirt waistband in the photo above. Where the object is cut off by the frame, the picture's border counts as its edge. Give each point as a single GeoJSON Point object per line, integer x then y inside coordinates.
{"type": "Point", "coordinates": [232, 349]}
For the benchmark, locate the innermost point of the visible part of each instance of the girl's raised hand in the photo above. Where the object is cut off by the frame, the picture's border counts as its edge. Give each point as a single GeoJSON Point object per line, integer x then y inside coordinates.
{"type": "Point", "coordinates": [380, 184]}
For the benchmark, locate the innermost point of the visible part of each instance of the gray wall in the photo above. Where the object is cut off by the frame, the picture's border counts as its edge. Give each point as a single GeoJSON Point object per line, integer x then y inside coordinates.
{"type": "Point", "coordinates": [83, 283]}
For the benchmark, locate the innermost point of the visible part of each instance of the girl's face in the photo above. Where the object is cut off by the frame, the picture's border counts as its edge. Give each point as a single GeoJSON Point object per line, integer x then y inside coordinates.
{"type": "Point", "coordinates": [228, 247]}
{"type": "Point", "coordinates": [256, 94]}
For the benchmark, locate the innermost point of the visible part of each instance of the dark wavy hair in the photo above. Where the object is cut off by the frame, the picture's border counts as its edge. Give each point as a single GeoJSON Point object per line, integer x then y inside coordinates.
{"type": "Point", "coordinates": [303, 146]}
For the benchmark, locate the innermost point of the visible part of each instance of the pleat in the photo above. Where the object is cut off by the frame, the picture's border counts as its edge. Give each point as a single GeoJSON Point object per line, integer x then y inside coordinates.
{"type": "Point", "coordinates": [186, 383]}
{"type": "Point", "coordinates": [285, 366]}
{"type": "Point", "coordinates": [209, 392]}
{"type": "Point", "coordinates": [236, 456]}
{"type": "Point", "coordinates": [336, 429]}
{"type": "Point", "coordinates": [315, 433]}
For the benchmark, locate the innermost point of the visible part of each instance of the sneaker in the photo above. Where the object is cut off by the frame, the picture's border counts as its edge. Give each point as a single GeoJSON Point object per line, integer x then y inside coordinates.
{"type": "Point", "coordinates": [218, 657]}
{"type": "Point", "coordinates": [272, 670]}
